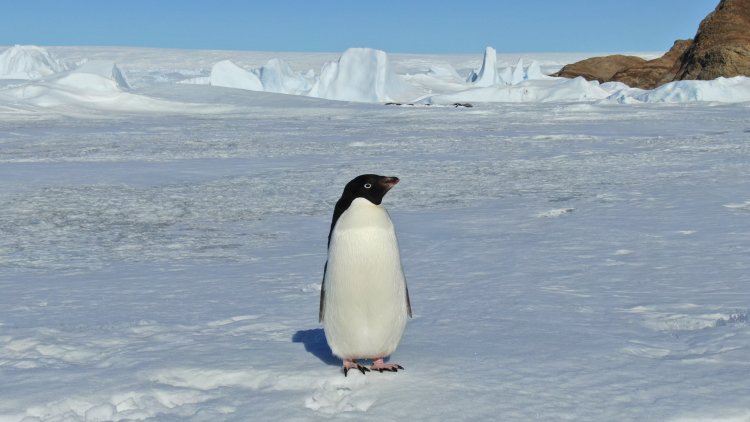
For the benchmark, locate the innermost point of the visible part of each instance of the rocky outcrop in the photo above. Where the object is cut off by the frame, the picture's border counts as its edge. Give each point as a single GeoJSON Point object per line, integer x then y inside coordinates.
{"type": "Point", "coordinates": [722, 44]}
{"type": "Point", "coordinates": [653, 73]}
{"type": "Point", "coordinates": [720, 48]}
{"type": "Point", "coordinates": [601, 69]}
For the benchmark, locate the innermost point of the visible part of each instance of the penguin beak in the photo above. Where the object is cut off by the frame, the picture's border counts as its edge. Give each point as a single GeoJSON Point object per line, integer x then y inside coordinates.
{"type": "Point", "coordinates": [389, 182]}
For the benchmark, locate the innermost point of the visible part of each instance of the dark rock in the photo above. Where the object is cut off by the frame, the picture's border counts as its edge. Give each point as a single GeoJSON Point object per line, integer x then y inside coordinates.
{"type": "Point", "coordinates": [722, 44]}
{"type": "Point", "coordinates": [599, 68]}
{"type": "Point", "coordinates": [652, 73]}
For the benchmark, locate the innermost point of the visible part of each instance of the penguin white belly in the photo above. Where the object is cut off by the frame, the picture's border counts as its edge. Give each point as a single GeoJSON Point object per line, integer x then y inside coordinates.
{"type": "Point", "coordinates": [365, 289]}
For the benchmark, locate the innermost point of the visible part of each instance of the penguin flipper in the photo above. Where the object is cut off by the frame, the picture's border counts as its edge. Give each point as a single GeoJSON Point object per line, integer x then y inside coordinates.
{"type": "Point", "coordinates": [322, 302]}
{"type": "Point", "coordinates": [408, 302]}
{"type": "Point", "coordinates": [323, 294]}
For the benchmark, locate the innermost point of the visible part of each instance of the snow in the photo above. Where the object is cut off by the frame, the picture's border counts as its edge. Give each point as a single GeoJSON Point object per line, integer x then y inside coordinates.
{"type": "Point", "coordinates": [487, 74]}
{"type": "Point", "coordinates": [735, 89]}
{"type": "Point", "coordinates": [370, 76]}
{"type": "Point", "coordinates": [278, 76]}
{"type": "Point", "coordinates": [96, 75]}
{"type": "Point", "coordinates": [720, 90]}
{"type": "Point", "coordinates": [96, 84]}
{"type": "Point", "coordinates": [534, 71]}
{"type": "Point", "coordinates": [518, 74]}
{"type": "Point", "coordinates": [362, 75]}
{"type": "Point", "coordinates": [568, 257]}
{"type": "Point", "coordinates": [552, 90]}
{"type": "Point", "coordinates": [29, 62]}
{"type": "Point", "coordinates": [227, 74]}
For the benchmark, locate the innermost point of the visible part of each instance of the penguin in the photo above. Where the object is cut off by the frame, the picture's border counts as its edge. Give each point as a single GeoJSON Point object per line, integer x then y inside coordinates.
{"type": "Point", "coordinates": [364, 301]}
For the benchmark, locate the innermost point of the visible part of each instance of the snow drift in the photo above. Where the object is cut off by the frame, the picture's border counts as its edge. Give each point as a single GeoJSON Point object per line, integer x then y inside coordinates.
{"type": "Point", "coordinates": [100, 76]}
{"type": "Point", "coordinates": [556, 89]}
{"type": "Point", "coordinates": [29, 62]}
{"type": "Point", "coordinates": [93, 81]}
{"type": "Point", "coordinates": [96, 84]}
{"type": "Point", "coordinates": [731, 90]}
{"type": "Point", "coordinates": [720, 90]}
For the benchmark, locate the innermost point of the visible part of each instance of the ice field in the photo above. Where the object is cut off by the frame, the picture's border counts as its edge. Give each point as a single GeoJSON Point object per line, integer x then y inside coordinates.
{"type": "Point", "coordinates": [569, 257]}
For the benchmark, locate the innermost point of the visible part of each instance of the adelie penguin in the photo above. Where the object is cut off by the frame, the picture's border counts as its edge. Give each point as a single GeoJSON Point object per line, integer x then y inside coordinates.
{"type": "Point", "coordinates": [364, 302]}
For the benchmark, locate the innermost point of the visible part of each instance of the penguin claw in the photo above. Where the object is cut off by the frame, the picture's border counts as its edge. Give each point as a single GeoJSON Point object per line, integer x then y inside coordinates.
{"type": "Point", "coordinates": [380, 366]}
{"type": "Point", "coordinates": [387, 369]}
{"type": "Point", "coordinates": [361, 369]}
{"type": "Point", "coordinates": [377, 365]}
{"type": "Point", "coordinates": [350, 364]}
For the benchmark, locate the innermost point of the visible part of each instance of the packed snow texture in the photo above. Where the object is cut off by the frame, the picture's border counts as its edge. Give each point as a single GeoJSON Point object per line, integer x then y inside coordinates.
{"type": "Point", "coordinates": [574, 259]}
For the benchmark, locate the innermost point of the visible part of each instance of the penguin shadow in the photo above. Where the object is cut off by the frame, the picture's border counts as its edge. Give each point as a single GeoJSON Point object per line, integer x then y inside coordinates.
{"type": "Point", "coordinates": [315, 343]}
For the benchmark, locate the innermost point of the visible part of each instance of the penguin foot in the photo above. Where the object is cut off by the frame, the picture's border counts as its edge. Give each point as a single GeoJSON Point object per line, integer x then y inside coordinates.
{"type": "Point", "coordinates": [352, 364]}
{"type": "Point", "coordinates": [380, 366]}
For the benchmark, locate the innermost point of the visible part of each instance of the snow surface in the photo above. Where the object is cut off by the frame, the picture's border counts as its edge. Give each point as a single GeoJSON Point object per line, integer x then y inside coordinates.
{"type": "Point", "coordinates": [576, 260]}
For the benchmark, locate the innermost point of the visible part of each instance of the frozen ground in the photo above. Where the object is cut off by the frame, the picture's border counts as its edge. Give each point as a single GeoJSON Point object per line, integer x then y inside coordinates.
{"type": "Point", "coordinates": [566, 261]}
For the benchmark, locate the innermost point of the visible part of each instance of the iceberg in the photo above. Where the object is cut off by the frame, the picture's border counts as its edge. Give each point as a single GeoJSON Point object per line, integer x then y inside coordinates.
{"type": "Point", "coordinates": [518, 75]}
{"type": "Point", "coordinates": [361, 75]}
{"type": "Point", "coordinates": [487, 74]}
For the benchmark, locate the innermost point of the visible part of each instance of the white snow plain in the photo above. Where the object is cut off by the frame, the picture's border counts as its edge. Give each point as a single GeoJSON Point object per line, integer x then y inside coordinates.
{"type": "Point", "coordinates": [568, 257]}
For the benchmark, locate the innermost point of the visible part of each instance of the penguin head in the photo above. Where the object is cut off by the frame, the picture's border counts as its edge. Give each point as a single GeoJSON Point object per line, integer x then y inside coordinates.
{"type": "Point", "coordinates": [369, 186]}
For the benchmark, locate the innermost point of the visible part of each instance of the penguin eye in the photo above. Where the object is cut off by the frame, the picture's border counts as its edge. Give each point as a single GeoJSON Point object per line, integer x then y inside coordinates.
{"type": "Point", "coordinates": [368, 185]}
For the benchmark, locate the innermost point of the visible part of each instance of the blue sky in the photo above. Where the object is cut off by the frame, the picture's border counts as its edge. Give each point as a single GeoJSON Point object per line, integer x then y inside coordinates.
{"type": "Point", "coordinates": [417, 26]}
